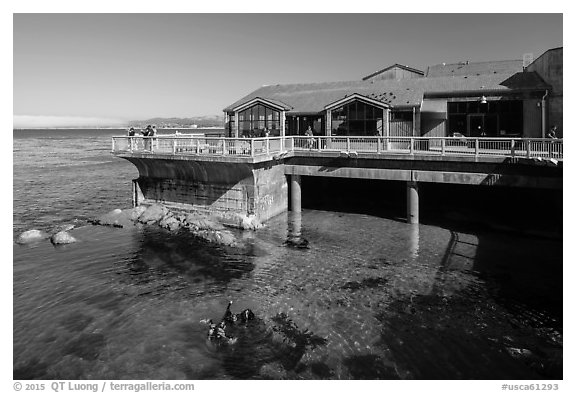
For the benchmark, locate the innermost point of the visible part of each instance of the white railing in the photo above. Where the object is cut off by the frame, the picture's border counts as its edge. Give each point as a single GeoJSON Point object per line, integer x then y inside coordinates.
{"type": "Point", "coordinates": [252, 147]}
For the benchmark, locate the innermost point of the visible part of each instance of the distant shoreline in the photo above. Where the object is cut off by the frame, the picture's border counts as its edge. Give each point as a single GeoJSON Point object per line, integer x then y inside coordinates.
{"type": "Point", "coordinates": [112, 128]}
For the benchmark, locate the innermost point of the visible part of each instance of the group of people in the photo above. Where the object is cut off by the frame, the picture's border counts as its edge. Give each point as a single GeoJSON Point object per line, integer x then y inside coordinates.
{"type": "Point", "coordinates": [263, 133]}
{"type": "Point", "coordinates": [150, 130]}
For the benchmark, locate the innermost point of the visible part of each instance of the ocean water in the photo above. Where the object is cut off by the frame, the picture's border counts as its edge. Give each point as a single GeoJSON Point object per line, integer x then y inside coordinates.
{"type": "Point", "coordinates": [371, 298]}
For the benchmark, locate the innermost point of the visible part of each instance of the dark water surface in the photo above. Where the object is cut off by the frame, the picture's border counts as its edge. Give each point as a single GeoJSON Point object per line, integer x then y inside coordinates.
{"type": "Point", "coordinates": [380, 299]}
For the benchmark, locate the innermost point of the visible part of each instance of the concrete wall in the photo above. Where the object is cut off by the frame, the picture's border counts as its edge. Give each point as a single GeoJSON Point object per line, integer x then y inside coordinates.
{"type": "Point", "coordinates": [532, 118]}
{"type": "Point", "coordinates": [433, 126]}
{"type": "Point", "coordinates": [271, 192]}
{"type": "Point", "coordinates": [550, 66]}
{"type": "Point", "coordinates": [259, 189]}
{"type": "Point", "coordinates": [555, 114]}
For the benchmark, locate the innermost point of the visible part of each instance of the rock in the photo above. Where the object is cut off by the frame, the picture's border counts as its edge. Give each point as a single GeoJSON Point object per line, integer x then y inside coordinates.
{"type": "Point", "coordinates": [250, 222]}
{"type": "Point", "coordinates": [153, 214]}
{"type": "Point", "coordinates": [136, 212]}
{"type": "Point", "coordinates": [62, 237]}
{"type": "Point", "coordinates": [31, 236]}
{"type": "Point", "coordinates": [66, 227]}
{"type": "Point", "coordinates": [518, 352]}
{"type": "Point", "coordinates": [170, 222]}
{"type": "Point", "coordinates": [197, 221]}
{"type": "Point", "coordinates": [116, 217]}
{"type": "Point", "coordinates": [242, 221]}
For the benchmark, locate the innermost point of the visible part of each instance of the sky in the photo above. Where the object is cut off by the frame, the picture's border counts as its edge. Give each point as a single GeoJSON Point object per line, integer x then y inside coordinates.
{"type": "Point", "coordinates": [110, 68]}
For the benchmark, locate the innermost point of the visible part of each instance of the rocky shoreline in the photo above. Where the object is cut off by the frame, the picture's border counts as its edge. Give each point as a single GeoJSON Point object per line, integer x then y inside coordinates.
{"type": "Point", "coordinates": [213, 227]}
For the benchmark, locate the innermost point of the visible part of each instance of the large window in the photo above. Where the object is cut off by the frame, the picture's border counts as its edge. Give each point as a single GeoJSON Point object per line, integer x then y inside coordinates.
{"type": "Point", "coordinates": [357, 118]}
{"type": "Point", "coordinates": [252, 121]}
{"type": "Point", "coordinates": [494, 118]}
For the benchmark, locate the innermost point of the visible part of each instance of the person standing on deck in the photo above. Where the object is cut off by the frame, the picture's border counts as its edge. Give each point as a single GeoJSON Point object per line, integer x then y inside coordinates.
{"type": "Point", "coordinates": [153, 134]}
{"type": "Point", "coordinates": [147, 133]}
{"type": "Point", "coordinates": [309, 133]}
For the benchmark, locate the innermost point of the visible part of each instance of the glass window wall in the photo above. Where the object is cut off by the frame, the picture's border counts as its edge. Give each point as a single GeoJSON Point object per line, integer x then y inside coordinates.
{"type": "Point", "coordinates": [252, 121]}
{"type": "Point", "coordinates": [357, 118]}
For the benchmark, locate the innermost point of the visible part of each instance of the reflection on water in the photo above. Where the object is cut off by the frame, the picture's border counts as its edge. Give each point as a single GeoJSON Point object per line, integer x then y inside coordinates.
{"type": "Point", "coordinates": [368, 298]}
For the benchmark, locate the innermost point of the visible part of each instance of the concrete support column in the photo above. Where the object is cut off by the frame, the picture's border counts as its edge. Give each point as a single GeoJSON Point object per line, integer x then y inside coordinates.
{"type": "Point", "coordinates": [417, 122]}
{"type": "Point", "coordinates": [412, 205]}
{"type": "Point", "coordinates": [295, 193]}
{"type": "Point", "coordinates": [137, 195]}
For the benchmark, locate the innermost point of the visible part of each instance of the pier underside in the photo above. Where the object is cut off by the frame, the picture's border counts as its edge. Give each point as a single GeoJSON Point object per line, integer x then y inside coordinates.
{"type": "Point", "coordinates": [265, 188]}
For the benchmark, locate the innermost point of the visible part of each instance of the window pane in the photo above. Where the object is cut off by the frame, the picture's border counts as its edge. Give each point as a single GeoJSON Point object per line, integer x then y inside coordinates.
{"type": "Point", "coordinates": [353, 108]}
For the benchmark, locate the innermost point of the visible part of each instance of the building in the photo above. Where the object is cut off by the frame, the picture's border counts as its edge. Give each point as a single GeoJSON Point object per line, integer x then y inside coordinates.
{"type": "Point", "coordinates": [549, 67]}
{"type": "Point", "coordinates": [481, 99]}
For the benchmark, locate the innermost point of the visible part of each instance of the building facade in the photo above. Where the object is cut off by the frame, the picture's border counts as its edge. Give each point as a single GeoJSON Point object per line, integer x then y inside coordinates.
{"type": "Point", "coordinates": [482, 99]}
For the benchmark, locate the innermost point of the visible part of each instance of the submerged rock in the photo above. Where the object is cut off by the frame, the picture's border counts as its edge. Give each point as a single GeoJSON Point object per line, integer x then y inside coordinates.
{"type": "Point", "coordinates": [224, 238]}
{"type": "Point", "coordinates": [62, 237]}
{"type": "Point", "coordinates": [31, 236]}
{"type": "Point", "coordinates": [153, 214]}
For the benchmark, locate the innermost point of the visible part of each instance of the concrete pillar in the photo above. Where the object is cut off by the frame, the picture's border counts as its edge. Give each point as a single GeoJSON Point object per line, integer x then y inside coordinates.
{"type": "Point", "coordinates": [412, 206]}
{"type": "Point", "coordinates": [414, 241]}
{"type": "Point", "coordinates": [295, 193]}
{"type": "Point", "coordinates": [137, 195]}
{"type": "Point", "coordinates": [294, 225]}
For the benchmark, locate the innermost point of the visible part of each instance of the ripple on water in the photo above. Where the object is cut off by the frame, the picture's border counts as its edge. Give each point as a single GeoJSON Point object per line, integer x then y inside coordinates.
{"type": "Point", "coordinates": [390, 303]}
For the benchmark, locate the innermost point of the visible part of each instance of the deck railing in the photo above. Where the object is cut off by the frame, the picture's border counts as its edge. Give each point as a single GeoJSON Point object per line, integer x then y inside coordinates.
{"type": "Point", "coordinates": [253, 147]}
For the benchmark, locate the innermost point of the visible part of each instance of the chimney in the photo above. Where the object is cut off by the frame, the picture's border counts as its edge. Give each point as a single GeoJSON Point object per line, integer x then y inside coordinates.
{"type": "Point", "coordinates": [527, 59]}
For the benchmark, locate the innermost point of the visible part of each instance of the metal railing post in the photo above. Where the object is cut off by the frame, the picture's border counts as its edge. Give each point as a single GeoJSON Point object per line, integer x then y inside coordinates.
{"type": "Point", "coordinates": [443, 147]}
{"type": "Point", "coordinates": [113, 144]}
{"type": "Point", "coordinates": [267, 146]}
{"type": "Point", "coordinates": [223, 146]}
{"type": "Point", "coordinates": [347, 143]}
{"type": "Point", "coordinates": [411, 146]}
{"type": "Point", "coordinates": [513, 147]}
{"type": "Point", "coordinates": [319, 143]}
{"type": "Point", "coordinates": [197, 146]}
{"type": "Point", "coordinates": [252, 147]}
{"type": "Point", "coordinates": [528, 148]}
{"type": "Point", "coordinates": [174, 146]}
{"type": "Point", "coordinates": [476, 147]}
{"type": "Point", "coordinates": [378, 148]}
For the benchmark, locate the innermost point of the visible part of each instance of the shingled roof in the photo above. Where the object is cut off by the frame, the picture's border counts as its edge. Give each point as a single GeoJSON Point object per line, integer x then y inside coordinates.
{"type": "Point", "coordinates": [314, 97]}
{"type": "Point", "coordinates": [476, 68]}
